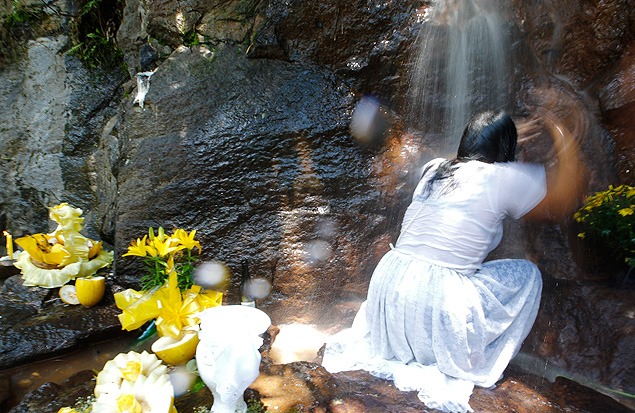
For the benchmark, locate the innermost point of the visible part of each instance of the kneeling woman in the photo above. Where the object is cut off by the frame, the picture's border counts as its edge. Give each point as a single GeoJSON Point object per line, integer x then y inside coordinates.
{"type": "Point", "coordinates": [437, 319]}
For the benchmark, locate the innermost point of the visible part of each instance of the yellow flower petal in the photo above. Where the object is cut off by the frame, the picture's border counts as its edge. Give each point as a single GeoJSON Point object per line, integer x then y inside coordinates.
{"type": "Point", "coordinates": [128, 404]}
{"type": "Point", "coordinates": [187, 240]}
{"type": "Point", "coordinates": [137, 248]}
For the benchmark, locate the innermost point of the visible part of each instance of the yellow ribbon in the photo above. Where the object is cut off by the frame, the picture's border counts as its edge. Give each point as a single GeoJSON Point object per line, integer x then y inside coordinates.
{"type": "Point", "coordinates": [172, 309]}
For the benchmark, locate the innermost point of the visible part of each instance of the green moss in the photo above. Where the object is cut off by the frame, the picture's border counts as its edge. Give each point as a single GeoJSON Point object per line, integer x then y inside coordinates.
{"type": "Point", "coordinates": [256, 406]}
{"type": "Point", "coordinates": [190, 38]}
{"type": "Point", "coordinates": [20, 26]}
{"type": "Point", "coordinates": [24, 14]}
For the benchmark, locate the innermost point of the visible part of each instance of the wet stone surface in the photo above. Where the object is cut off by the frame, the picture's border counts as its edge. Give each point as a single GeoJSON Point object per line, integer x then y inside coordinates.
{"type": "Point", "coordinates": [35, 323]}
{"type": "Point", "coordinates": [307, 387]}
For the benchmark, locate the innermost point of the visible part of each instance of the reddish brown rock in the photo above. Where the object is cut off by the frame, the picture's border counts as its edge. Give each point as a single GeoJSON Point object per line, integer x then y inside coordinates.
{"type": "Point", "coordinates": [617, 100]}
{"type": "Point", "coordinates": [577, 38]}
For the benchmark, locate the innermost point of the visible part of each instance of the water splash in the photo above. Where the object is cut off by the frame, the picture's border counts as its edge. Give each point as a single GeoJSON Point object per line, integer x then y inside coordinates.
{"type": "Point", "coordinates": [297, 342]}
{"type": "Point", "coordinates": [143, 85]}
{"type": "Point", "coordinates": [462, 67]}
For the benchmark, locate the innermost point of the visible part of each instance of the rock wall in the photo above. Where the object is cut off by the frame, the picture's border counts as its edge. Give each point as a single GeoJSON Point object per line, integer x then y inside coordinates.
{"type": "Point", "coordinates": [244, 137]}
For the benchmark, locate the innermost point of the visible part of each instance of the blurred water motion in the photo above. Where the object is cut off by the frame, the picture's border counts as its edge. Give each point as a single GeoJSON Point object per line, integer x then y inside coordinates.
{"type": "Point", "coordinates": [212, 275]}
{"type": "Point", "coordinates": [183, 377]}
{"type": "Point", "coordinates": [462, 67]}
{"type": "Point", "coordinates": [297, 342]}
{"type": "Point", "coordinates": [317, 251]}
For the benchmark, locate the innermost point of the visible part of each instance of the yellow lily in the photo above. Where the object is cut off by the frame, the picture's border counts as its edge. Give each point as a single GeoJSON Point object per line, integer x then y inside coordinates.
{"type": "Point", "coordinates": [169, 265]}
{"type": "Point", "coordinates": [165, 246]}
{"type": "Point", "coordinates": [138, 248]}
{"type": "Point", "coordinates": [187, 240]}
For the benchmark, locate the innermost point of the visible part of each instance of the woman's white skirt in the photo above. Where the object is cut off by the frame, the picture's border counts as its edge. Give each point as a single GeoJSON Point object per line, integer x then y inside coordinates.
{"type": "Point", "coordinates": [436, 331]}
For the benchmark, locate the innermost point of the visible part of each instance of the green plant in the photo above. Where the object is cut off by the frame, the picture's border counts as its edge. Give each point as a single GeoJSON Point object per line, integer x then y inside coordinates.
{"type": "Point", "coordinates": [94, 32]}
{"type": "Point", "coordinates": [609, 217]}
{"type": "Point", "coordinates": [24, 23]}
{"type": "Point", "coordinates": [163, 254]}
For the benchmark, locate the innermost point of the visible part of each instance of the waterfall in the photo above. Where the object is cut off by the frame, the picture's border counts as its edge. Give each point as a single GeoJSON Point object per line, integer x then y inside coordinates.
{"type": "Point", "coordinates": [462, 67]}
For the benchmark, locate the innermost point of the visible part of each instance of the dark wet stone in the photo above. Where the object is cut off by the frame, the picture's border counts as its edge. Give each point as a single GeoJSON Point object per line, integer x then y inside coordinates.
{"type": "Point", "coordinates": [579, 38]}
{"type": "Point", "coordinates": [586, 329]}
{"type": "Point", "coordinates": [7, 270]}
{"type": "Point", "coordinates": [5, 389]}
{"type": "Point", "coordinates": [36, 324]}
{"type": "Point", "coordinates": [18, 302]}
{"type": "Point", "coordinates": [61, 329]}
{"type": "Point", "coordinates": [51, 397]}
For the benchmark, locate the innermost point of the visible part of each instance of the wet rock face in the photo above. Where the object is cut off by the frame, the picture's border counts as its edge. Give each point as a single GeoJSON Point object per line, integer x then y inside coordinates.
{"type": "Point", "coordinates": [617, 101]}
{"type": "Point", "coordinates": [54, 112]}
{"type": "Point", "coordinates": [586, 330]}
{"type": "Point", "coordinates": [265, 170]}
{"type": "Point", "coordinates": [579, 38]}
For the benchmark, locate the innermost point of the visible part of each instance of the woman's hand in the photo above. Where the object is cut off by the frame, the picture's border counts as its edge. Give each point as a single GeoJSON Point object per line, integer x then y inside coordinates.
{"type": "Point", "coordinates": [528, 129]}
{"type": "Point", "coordinates": [564, 185]}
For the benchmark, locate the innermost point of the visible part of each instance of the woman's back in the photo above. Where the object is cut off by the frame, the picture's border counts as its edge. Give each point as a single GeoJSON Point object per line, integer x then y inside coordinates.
{"type": "Point", "coordinates": [460, 221]}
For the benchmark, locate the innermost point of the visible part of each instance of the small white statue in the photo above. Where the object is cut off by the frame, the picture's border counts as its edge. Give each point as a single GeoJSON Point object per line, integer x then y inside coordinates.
{"type": "Point", "coordinates": [227, 355]}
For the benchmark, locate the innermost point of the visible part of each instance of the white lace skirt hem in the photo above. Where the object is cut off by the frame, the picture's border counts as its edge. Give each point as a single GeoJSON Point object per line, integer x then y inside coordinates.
{"type": "Point", "coordinates": [433, 330]}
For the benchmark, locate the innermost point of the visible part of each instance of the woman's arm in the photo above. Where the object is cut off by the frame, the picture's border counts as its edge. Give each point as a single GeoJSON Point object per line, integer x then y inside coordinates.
{"type": "Point", "coordinates": [564, 185]}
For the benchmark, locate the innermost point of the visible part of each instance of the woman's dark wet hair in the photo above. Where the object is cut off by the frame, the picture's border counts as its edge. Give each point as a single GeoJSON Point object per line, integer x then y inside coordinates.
{"type": "Point", "coordinates": [488, 137]}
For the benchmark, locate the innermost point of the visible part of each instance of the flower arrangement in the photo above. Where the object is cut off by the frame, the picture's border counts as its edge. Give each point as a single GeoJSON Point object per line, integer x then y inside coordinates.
{"type": "Point", "coordinates": [168, 294]}
{"type": "Point", "coordinates": [175, 314]}
{"type": "Point", "coordinates": [52, 260]}
{"type": "Point", "coordinates": [609, 217]}
{"type": "Point", "coordinates": [163, 254]}
{"type": "Point", "coordinates": [174, 310]}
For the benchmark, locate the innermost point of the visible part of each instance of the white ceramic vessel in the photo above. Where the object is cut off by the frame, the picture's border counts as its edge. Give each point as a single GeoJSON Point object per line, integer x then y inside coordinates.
{"type": "Point", "coordinates": [227, 355]}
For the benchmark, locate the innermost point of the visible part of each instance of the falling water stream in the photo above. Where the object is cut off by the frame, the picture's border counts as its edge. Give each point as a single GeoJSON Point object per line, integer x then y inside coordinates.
{"type": "Point", "coordinates": [462, 67]}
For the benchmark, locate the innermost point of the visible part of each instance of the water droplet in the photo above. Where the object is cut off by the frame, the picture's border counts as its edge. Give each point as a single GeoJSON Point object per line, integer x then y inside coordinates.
{"type": "Point", "coordinates": [212, 275]}
{"type": "Point", "coordinates": [317, 251]}
{"type": "Point", "coordinates": [257, 288]}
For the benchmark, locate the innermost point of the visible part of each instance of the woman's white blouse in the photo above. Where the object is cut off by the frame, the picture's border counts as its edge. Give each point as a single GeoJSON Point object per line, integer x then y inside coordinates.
{"type": "Point", "coordinates": [460, 222]}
